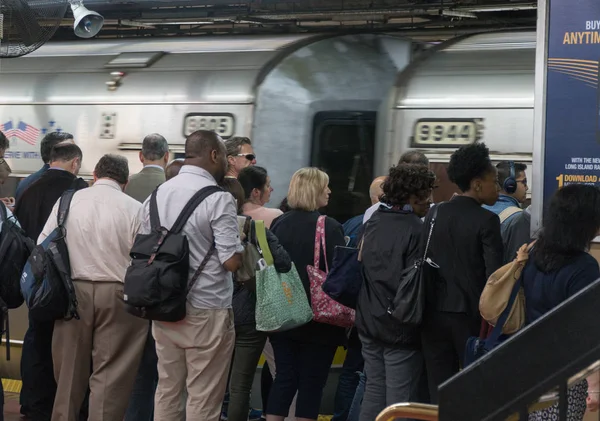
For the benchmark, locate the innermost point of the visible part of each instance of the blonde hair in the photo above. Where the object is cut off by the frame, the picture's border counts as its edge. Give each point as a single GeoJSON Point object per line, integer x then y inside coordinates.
{"type": "Point", "coordinates": [306, 186]}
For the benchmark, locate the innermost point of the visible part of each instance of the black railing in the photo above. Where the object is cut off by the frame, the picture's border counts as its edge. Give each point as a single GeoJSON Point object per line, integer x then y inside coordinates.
{"type": "Point", "coordinates": [536, 360]}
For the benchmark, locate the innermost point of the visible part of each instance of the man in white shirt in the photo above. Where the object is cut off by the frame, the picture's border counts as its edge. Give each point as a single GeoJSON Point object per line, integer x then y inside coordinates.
{"type": "Point", "coordinates": [101, 226]}
{"type": "Point", "coordinates": [195, 353]}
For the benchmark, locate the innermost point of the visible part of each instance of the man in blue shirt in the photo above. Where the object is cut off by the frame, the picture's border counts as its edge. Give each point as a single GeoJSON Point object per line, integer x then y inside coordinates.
{"type": "Point", "coordinates": [48, 142]}
{"type": "Point", "coordinates": [515, 223]}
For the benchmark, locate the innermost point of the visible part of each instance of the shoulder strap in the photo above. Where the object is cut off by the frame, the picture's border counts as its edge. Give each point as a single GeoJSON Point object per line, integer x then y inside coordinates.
{"type": "Point", "coordinates": [154, 218]}
{"type": "Point", "coordinates": [3, 212]}
{"type": "Point", "coordinates": [191, 206]}
{"type": "Point", "coordinates": [497, 331]}
{"type": "Point", "coordinates": [201, 267]}
{"type": "Point", "coordinates": [508, 212]}
{"type": "Point", "coordinates": [261, 235]}
{"type": "Point", "coordinates": [431, 225]}
{"type": "Point", "coordinates": [63, 207]}
{"type": "Point", "coordinates": [320, 242]}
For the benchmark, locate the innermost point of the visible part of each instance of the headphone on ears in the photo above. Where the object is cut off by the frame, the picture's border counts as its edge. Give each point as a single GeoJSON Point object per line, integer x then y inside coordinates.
{"type": "Point", "coordinates": [510, 183]}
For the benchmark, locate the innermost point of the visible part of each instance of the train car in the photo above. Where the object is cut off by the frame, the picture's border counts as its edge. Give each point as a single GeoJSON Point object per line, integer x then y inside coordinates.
{"type": "Point", "coordinates": [302, 99]}
{"type": "Point", "coordinates": [471, 88]}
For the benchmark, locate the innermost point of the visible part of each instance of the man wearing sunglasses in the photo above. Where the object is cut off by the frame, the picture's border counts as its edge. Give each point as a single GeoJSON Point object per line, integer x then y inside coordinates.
{"type": "Point", "coordinates": [515, 223]}
{"type": "Point", "coordinates": [240, 155]}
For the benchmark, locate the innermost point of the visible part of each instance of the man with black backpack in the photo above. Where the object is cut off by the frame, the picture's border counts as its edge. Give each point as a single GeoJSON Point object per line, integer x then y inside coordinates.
{"type": "Point", "coordinates": [101, 225]}
{"type": "Point", "coordinates": [195, 353]}
{"type": "Point", "coordinates": [32, 210]}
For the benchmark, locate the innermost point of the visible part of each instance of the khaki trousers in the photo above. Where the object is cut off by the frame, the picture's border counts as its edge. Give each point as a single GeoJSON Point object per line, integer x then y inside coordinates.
{"type": "Point", "coordinates": [193, 354]}
{"type": "Point", "coordinates": [109, 336]}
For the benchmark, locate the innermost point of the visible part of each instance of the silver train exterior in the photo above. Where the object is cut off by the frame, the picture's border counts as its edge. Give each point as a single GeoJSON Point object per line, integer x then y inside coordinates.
{"type": "Point", "coordinates": [471, 88]}
{"type": "Point", "coordinates": [303, 99]}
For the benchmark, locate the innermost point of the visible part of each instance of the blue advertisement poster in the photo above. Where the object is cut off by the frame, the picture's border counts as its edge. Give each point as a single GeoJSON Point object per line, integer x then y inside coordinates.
{"type": "Point", "coordinates": [572, 144]}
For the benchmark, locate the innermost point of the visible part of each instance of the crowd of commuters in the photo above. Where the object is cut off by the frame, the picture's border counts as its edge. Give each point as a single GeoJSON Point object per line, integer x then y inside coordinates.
{"type": "Point", "coordinates": [111, 365]}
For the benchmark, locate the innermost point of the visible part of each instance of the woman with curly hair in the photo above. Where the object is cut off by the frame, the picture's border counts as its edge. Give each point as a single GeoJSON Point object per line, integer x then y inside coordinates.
{"type": "Point", "coordinates": [393, 360]}
{"type": "Point", "coordinates": [467, 246]}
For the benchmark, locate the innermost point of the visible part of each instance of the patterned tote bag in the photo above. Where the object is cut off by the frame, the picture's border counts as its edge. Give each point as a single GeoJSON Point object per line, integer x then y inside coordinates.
{"type": "Point", "coordinates": [325, 310]}
{"type": "Point", "coordinates": [281, 303]}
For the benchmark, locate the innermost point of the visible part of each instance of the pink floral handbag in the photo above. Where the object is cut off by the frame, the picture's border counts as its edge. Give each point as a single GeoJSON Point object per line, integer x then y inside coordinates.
{"type": "Point", "coordinates": [325, 310]}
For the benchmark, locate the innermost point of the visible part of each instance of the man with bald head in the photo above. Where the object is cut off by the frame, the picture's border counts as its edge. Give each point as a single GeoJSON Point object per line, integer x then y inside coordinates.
{"type": "Point", "coordinates": [173, 168]}
{"type": "Point", "coordinates": [410, 157]}
{"type": "Point", "coordinates": [376, 190]}
{"type": "Point", "coordinates": [195, 353]}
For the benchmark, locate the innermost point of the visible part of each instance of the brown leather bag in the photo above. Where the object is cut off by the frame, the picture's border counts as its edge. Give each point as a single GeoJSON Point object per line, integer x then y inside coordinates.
{"type": "Point", "coordinates": [497, 290]}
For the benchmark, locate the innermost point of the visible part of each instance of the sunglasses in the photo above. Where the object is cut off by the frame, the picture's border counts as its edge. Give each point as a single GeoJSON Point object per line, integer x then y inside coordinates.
{"type": "Point", "coordinates": [249, 156]}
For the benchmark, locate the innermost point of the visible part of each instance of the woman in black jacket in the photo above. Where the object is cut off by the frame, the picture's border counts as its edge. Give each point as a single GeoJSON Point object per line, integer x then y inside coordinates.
{"type": "Point", "coordinates": [304, 355]}
{"type": "Point", "coordinates": [467, 246]}
{"type": "Point", "coordinates": [249, 342]}
{"type": "Point", "coordinates": [393, 360]}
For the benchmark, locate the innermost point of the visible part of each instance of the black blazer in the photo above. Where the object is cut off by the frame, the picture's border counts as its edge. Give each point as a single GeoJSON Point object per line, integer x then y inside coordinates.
{"type": "Point", "coordinates": [36, 203]}
{"type": "Point", "coordinates": [467, 246]}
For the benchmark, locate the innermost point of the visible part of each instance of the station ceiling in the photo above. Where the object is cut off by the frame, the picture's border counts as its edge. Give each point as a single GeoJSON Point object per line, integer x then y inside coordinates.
{"type": "Point", "coordinates": [429, 20]}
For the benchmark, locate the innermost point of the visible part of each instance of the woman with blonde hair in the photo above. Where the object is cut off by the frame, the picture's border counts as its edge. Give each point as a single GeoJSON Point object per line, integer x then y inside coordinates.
{"type": "Point", "coordinates": [304, 355]}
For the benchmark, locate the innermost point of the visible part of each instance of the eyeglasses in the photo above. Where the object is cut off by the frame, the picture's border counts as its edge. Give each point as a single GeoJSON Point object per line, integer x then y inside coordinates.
{"type": "Point", "coordinates": [524, 181]}
{"type": "Point", "coordinates": [249, 156]}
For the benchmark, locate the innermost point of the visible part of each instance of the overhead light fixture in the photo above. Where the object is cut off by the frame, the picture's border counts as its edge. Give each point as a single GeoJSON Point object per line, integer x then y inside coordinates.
{"type": "Point", "coordinates": [87, 22]}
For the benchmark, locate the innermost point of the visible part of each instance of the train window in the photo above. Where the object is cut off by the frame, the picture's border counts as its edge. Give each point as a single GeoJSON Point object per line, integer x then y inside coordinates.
{"type": "Point", "coordinates": [343, 147]}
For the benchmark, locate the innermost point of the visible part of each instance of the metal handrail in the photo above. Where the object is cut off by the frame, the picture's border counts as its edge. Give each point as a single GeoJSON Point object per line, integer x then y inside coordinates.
{"type": "Point", "coordinates": [416, 411]}
{"type": "Point", "coordinates": [419, 411]}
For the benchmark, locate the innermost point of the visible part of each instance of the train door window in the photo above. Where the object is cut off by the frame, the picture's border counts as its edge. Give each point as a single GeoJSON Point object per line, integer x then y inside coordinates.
{"type": "Point", "coordinates": [343, 147]}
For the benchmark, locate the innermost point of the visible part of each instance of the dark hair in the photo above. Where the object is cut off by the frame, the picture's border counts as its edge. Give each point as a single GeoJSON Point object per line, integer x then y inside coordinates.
{"type": "Point", "coordinates": [50, 141]}
{"type": "Point", "coordinates": [504, 170]}
{"type": "Point", "coordinates": [414, 157]}
{"type": "Point", "coordinates": [65, 152]}
{"type": "Point", "coordinates": [569, 226]}
{"type": "Point", "coordinates": [252, 177]}
{"type": "Point", "coordinates": [4, 144]}
{"type": "Point", "coordinates": [173, 168]}
{"type": "Point", "coordinates": [233, 186]}
{"type": "Point", "coordinates": [467, 163]}
{"type": "Point", "coordinates": [406, 180]}
{"type": "Point", "coordinates": [154, 147]}
{"type": "Point", "coordinates": [234, 145]}
{"type": "Point", "coordinates": [201, 143]}
{"type": "Point", "coordinates": [114, 167]}
{"type": "Point", "coordinates": [283, 206]}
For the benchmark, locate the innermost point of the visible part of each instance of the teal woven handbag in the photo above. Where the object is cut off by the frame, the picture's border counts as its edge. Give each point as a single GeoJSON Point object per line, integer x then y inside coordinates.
{"type": "Point", "coordinates": [281, 302]}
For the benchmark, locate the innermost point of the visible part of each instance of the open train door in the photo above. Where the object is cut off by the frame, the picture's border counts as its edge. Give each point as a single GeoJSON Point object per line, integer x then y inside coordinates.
{"type": "Point", "coordinates": [343, 146]}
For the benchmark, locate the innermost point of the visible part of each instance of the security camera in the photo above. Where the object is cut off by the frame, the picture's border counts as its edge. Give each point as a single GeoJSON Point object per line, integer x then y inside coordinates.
{"type": "Point", "coordinates": [87, 23]}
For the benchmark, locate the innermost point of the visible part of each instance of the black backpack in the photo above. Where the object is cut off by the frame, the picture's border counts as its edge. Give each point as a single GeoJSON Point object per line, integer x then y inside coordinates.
{"type": "Point", "coordinates": [15, 248]}
{"type": "Point", "coordinates": [156, 282]}
{"type": "Point", "coordinates": [46, 281]}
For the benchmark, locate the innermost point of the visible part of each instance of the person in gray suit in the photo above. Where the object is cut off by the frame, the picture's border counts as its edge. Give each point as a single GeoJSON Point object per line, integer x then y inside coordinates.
{"type": "Point", "coordinates": [154, 156]}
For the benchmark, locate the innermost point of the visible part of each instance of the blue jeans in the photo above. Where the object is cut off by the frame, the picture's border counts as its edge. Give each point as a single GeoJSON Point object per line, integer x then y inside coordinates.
{"type": "Point", "coordinates": [347, 384]}
{"type": "Point", "coordinates": [354, 413]}
{"type": "Point", "coordinates": [141, 403]}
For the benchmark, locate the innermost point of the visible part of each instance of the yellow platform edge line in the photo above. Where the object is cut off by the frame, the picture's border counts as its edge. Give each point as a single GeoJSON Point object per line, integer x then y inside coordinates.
{"type": "Point", "coordinates": [12, 385]}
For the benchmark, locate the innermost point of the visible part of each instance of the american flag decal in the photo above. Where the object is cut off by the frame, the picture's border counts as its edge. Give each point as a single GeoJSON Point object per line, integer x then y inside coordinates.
{"type": "Point", "coordinates": [23, 131]}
